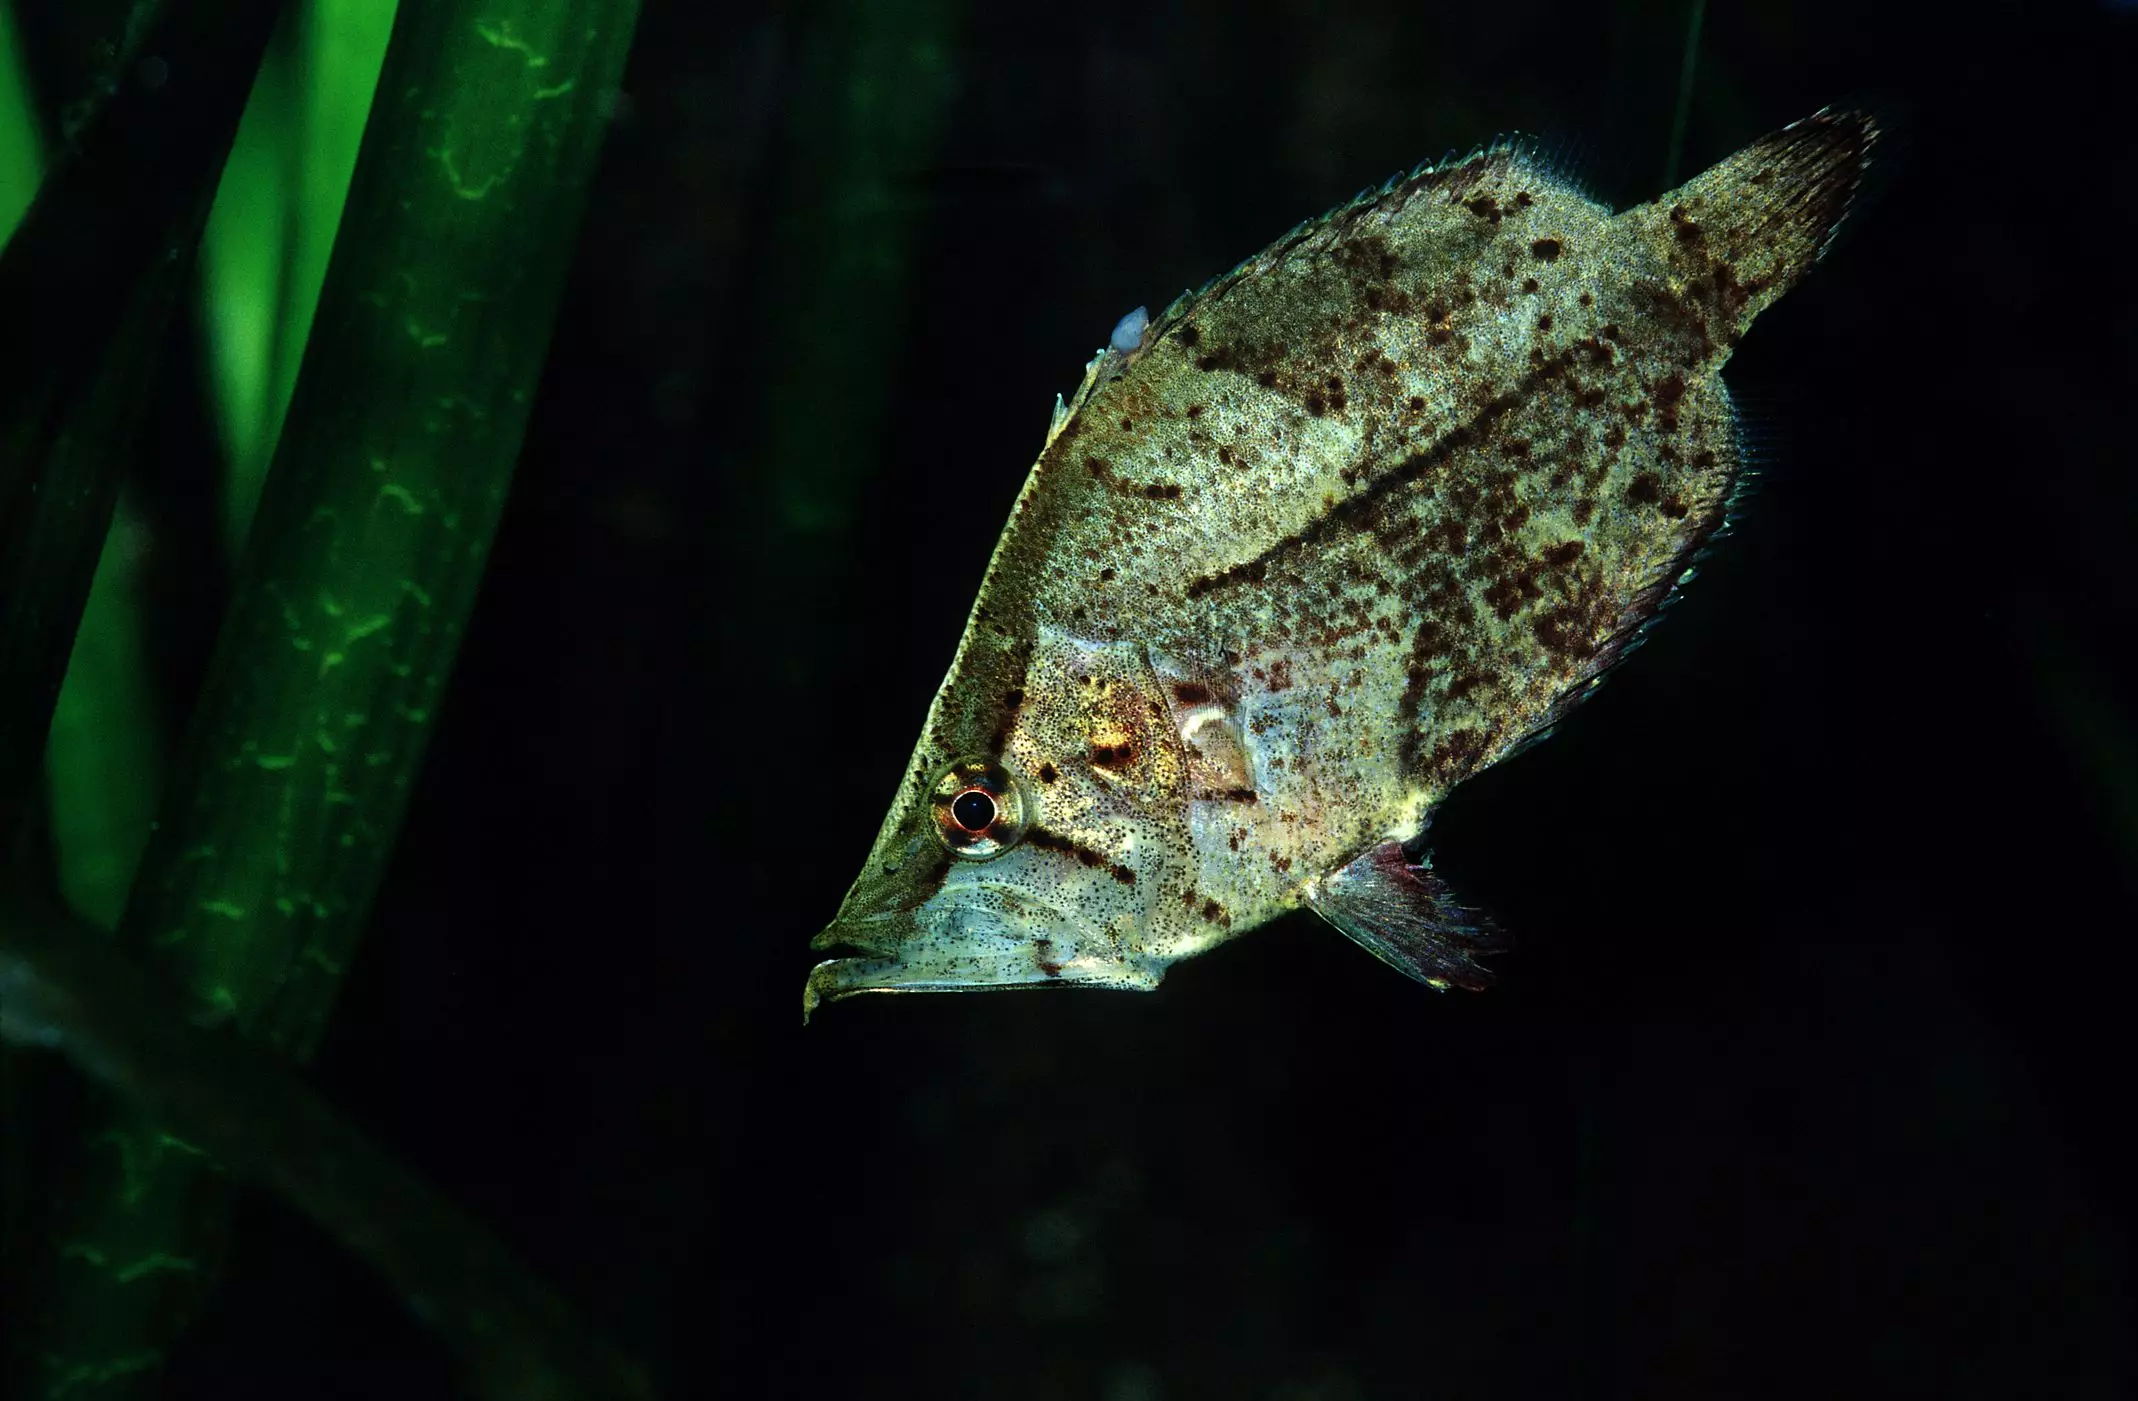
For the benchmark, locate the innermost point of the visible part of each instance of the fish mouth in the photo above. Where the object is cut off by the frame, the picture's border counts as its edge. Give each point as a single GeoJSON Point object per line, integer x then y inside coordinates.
{"type": "Point", "coordinates": [850, 938]}
{"type": "Point", "coordinates": [961, 947]}
{"type": "Point", "coordinates": [881, 960]}
{"type": "Point", "coordinates": [836, 979]}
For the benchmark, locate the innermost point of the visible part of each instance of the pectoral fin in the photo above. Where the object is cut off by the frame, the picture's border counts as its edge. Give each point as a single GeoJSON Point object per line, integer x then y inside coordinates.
{"type": "Point", "coordinates": [1404, 915]}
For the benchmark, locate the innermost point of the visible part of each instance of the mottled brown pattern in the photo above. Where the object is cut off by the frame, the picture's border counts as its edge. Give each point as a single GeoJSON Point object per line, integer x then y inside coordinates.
{"type": "Point", "coordinates": [1351, 523]}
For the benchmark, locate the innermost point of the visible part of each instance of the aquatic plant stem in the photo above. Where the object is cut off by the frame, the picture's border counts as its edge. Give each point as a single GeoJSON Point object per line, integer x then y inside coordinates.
{"type": "Point", "coordinates": [87, 285]}
{"type": "Point", "coordinates": [360, 572]}
{"type": "Point", "coordinates": [62, 985]}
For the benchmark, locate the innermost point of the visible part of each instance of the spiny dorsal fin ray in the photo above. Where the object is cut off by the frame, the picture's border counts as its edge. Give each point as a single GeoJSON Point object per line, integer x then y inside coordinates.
{"type": "Point", "coordinates": [1448, 172]}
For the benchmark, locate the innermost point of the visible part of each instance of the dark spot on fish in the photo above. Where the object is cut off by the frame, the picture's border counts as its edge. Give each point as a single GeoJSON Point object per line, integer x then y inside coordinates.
{"type": "Point", "coordinates": [1484, 207]}
{"type": "Point", "coordinates": [1682, 222]}
{"type": "Point", "coordinates": [1523, 199]}
{"type": "Point", "coordinates": [1544, 322]}
{"type": "Point", "coordinates": [1675, 507]}
{"type": "Point", "coordinates": [1584, 511]}
{"type": "Point", "coordinates": [1190, 693]}
{"type": "Point", "coordinates": [1417, 405]}
{"type": "Point", "coordinates": [1239, 795]}
{"type": "Point", "coordinates": [1564, 553]}
{"type": "Point", "coordinates": [1214, 912]}
{"type": "Point", "coordinates": [1510, 591]}
{"type": "Point", "coordinates": [1614, 437]}
{"type": "Point", "coordinates": [1162, 491]}
{"type": "Point", "coordinates": [1610, 331]}
{"type": "Point", "coordinates": [1195, 410]}
{"type": "Point", "coordinates": [1113, 756]}
{"type": "Point", "coordinates": [1559, 631]}
{"type": "Point", "coordinates": [1647, 489]}
{"type": "Point", "coordinates": [1224, 455]}
{"type": "Point", "coordinates": [1316, 405]}
{"type": "Point", "coordinates": [1048, 773]}
{"type": "Point", "coordinates": [1095, 466]}
{"type": "Point", "coordinates": [1267, 379]}
{"type": "Point", "coordinates": [1047, 839]}
{"type": "Point", "coordinates": [1588, 299]}
{"type": "Point", "coordinates": [1546, 249]}
{"type": "Point", "coordinates": [1669, 391]}
{"type": "Point", "coordinates": [1188, 335]}
{"type": "Point", "coordinates": [1457, 751]}
{"type": "Point", "coordinates": [1014, 699]}
{"type": "Point", "coordinates": [1126, 424]}
{"type": "Point", "coordinates": [1122, 874]}
{"type": "Point", "coordinates": [1106, 575]}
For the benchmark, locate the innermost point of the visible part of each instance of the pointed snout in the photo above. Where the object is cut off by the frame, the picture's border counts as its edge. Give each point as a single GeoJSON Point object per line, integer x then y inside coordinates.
{"type": "Point", "coordinates": [836, 978]}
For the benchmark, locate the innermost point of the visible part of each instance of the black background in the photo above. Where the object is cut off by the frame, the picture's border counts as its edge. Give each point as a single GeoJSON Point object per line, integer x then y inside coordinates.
{"type": "Point", "coordinates": [1809, 1076]}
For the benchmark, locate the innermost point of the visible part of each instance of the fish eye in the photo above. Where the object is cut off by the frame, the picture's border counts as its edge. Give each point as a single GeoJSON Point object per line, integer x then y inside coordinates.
{"type": "Point", "coordinates": [973, 810]}
{"type": "Point", "coordinates": [979, 809]}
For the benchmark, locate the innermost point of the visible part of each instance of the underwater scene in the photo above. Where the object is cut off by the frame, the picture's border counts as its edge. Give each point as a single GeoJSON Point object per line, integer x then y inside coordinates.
{"type": "Point", "coordinates": [1519, 613]}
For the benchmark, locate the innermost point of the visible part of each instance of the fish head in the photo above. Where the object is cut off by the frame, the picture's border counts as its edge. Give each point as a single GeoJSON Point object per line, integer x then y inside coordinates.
{"type": "Point", "coordinates": [1034, 842]}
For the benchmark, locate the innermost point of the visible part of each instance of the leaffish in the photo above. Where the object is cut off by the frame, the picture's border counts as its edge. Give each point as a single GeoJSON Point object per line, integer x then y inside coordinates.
{"type": "Point", "coordinates": [1358, 519]}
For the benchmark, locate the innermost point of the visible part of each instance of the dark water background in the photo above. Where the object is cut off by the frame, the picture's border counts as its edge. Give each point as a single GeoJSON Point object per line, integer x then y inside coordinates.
{"type": "Point", "coordinates": [1810, 1076]}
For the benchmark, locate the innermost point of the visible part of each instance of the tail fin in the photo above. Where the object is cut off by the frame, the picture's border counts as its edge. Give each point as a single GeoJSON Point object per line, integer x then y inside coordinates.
{"type": "Point", "coordinates": [1761, 218]}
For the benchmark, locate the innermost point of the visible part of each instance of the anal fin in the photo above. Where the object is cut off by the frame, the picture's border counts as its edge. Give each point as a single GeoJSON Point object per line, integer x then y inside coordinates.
{"type": "Point", "coordinates": [1401, 913]}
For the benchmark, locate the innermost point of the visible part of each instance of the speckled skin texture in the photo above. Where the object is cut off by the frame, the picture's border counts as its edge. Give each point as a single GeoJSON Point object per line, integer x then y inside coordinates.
{"type": "Point", "coordinates": [1348, 525]}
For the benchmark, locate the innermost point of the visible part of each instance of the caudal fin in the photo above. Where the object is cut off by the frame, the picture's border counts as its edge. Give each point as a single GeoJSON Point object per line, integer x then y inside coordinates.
{"type": "Point", "coordinates": [1758, 221]}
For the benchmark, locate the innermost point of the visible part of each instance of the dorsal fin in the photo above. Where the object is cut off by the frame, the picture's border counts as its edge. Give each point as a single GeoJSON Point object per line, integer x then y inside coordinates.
{"type": "Point", "coordinates": [1447, 172]}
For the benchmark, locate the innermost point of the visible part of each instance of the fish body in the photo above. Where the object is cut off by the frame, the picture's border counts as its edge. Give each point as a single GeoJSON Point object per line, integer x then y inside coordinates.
{"type": "Point", "coordinates": [1353, 522]}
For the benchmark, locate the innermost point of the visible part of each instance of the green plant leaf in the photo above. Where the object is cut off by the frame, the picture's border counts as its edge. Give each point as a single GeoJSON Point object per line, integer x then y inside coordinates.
{"type": "Point", "coordinates": [265, 252]}
{"type": "Point", "coordinates": [359, 575]}
{"type": "Point", "coordinates": [87, 285]}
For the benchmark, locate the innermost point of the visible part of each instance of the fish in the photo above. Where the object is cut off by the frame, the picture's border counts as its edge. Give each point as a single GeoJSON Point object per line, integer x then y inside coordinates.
{"type": "Point", "coordinates": [1353, 522]}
